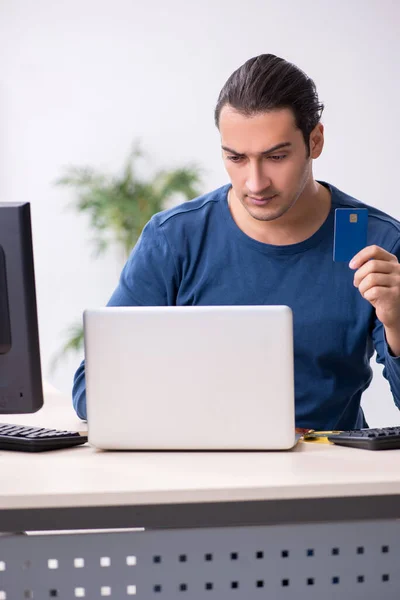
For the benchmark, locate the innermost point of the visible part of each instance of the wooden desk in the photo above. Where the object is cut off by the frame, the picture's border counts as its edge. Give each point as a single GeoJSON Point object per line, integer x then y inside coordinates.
{"type": "Point", "coordinates": [314, 498]}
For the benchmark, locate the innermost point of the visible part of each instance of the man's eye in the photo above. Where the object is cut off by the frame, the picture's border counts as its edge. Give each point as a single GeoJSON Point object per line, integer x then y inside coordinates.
{"type": "Point", "coordinates": [278, 157]}
{"type": "Point", "coordinates": [234, 159]}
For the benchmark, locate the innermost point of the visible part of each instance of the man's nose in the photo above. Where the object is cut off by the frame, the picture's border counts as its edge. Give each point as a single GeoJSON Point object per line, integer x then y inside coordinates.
{"type": "Point", "coordinates": [257, 179]}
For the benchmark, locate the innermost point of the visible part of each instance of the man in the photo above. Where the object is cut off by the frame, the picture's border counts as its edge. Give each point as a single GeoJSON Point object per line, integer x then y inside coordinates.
{"type": "Point", "coordinates": [267, 238]}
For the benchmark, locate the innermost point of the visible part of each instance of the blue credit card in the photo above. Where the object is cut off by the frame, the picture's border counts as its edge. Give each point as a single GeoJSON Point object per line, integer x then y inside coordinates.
{"type": "Point", "coordinates": [351, 227]}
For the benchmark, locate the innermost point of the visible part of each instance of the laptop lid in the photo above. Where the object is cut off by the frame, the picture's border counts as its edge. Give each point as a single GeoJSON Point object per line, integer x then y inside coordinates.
{"type": "Point", "coordinates": [190, 377]}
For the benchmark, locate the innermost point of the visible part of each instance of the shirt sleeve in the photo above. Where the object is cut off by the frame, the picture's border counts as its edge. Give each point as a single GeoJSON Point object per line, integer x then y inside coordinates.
{"type": "Point", "coordinates": [391, 364]}
{"type": "Point", "coordinates": [149, 278]}
{"type": "Point", "coordinates": [384, 356]}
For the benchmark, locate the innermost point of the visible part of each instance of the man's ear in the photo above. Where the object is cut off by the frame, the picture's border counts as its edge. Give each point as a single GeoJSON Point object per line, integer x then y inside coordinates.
{"type": "Point", "coordinates": [316, 140]}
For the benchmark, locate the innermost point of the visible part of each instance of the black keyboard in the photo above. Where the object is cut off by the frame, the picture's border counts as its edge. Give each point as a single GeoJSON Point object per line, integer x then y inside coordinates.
{"type": "Point", "coordinates": [37, 439]}
{"type": "Point", "coordinates": [381, 438]}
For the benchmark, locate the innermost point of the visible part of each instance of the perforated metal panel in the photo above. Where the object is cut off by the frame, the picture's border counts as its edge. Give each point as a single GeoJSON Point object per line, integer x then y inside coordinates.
{"type": "Point", "coordinates": [339, 560]}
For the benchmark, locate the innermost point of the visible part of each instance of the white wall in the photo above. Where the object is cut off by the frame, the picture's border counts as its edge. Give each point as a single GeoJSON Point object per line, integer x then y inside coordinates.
{"type": "Point", "coordinates": [80, 80]}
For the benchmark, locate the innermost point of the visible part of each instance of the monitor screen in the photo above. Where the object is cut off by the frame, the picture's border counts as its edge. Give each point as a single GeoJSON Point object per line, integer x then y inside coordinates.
{"type": "Point", "coordinates": [20, 370]}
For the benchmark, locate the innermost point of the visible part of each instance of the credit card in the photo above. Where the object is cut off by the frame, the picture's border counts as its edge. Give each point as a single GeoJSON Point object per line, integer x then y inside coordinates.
{"type": "Point", "coordinates": [351, 227]}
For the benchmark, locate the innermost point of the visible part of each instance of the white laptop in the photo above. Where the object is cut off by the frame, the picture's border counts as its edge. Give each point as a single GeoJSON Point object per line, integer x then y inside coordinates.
{"type": "Point", "coordinates": [190, 378]}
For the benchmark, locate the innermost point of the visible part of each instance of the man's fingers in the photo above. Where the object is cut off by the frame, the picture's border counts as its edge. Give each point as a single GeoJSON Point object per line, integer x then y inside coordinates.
{"type": "Point", "coordinates": [371, 252]}
{"type": "Point", "coordinates": [378, 293]}
{"type": "Point", "coordinates": [372, 280]}
{"type": "Point", "coordinates": [373, 266]}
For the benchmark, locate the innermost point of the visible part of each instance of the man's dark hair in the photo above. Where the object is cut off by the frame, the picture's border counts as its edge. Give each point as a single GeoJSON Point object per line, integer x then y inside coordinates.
{"type": "Point", "coordinates": [267, 83]}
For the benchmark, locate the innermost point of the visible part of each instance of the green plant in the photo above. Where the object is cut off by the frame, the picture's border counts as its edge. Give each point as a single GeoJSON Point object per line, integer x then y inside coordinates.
{"type": "Point", "coordinates": [119, 206]}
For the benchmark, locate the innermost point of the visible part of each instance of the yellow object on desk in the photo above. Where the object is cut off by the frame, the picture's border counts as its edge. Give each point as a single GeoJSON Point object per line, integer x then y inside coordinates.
{"type": "Point", "coordinates": [320, 437]}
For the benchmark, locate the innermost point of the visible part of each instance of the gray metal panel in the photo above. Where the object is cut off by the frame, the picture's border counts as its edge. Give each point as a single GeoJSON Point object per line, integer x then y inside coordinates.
{"type": "Point", "coordinates": [205, 514]}
{"type": "Point", "coordinates": [337, 560]}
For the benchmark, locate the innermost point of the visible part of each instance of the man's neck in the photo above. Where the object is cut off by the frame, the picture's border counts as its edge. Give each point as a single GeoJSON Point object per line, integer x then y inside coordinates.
{"type": "Point", "coordinates": [298, 224]}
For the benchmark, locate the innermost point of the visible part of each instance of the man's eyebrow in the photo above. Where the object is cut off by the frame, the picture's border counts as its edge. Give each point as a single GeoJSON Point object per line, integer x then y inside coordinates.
{"type": "Point", "coordinates": [273, 149]}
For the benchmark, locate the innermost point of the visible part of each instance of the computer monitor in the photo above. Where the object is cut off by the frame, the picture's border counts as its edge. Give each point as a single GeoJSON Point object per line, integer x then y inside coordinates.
{"type": "Point", "coordinates": [20, 369]}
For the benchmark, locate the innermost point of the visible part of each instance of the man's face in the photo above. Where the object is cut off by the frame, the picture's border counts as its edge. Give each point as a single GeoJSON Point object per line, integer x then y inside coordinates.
{"type": "Point", "coordinates": [266, 179]}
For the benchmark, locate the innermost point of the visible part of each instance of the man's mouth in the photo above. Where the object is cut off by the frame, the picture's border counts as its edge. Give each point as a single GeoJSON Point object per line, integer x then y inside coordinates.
{"type": "Point", "coordinates": [261, 201]}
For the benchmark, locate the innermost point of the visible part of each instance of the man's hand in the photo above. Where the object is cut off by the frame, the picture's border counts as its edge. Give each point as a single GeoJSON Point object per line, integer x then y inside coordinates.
{"type": "Point", "coordinates": [378, 280]}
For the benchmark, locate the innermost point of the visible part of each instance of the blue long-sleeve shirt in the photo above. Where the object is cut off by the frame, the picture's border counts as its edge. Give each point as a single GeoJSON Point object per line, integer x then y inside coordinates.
{"type": "Point", "coordinates": [195, 254]}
